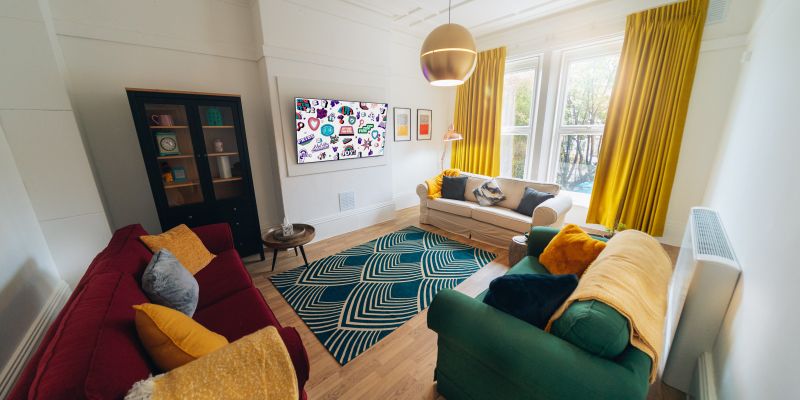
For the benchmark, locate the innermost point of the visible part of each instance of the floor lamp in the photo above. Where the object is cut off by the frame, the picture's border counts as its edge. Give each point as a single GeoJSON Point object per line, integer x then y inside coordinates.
{"type": "Point", "coordinates": [450, 136]}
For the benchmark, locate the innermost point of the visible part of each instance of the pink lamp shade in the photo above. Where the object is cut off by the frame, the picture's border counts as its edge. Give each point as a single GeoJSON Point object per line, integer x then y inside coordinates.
{"type": "Point", "coordinates": [452, 135]}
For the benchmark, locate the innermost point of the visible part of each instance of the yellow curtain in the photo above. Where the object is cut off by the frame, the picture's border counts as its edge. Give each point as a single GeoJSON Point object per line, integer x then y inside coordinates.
{"type": "Point", "coordinates": [479, 106]}
{"type": "Point", "coordinates": [646, 117]}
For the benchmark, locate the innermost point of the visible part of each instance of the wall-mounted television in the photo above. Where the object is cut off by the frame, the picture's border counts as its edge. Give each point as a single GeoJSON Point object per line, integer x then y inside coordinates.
{"type": "Point", "coordinates": [337, 129]}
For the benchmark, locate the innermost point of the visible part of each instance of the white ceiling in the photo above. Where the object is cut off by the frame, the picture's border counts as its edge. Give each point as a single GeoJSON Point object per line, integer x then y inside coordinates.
{"type": "Point", "coordinates": [419, 17]}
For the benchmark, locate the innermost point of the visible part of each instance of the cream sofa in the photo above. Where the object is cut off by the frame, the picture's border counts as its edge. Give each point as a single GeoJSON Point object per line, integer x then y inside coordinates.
{"type": "Point", "coordinates": [495, 224]}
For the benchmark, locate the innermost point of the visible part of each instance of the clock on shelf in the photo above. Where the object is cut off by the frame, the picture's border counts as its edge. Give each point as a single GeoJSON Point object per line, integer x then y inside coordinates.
{"type": "Point", "coordinates": [167, 144]}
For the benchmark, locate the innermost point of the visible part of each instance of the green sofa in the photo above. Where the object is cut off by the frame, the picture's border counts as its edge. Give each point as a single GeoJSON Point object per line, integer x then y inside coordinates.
{"type": "Point", "coordinates": [484, 353]}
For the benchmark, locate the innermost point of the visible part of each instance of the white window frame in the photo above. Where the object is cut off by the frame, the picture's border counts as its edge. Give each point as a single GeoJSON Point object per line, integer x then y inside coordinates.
{"type": "Point", "coordinates": [597, 49]}
{"type": "Point", "coordinates": [522, 64]}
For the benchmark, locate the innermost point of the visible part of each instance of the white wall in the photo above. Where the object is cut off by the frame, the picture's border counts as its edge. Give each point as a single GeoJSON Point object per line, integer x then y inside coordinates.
{"type": "Point", "coordinates": [717, 72]}
{"type": "Point", "coordinates": [206, 46]}
{"type": "Point", "coordinates": [239, 46]}
{"type": "Point", "coordinates": [52, 218]}
{"type": "Point", "coordinates": [347, 45]}
{"type": "Point", "coordinates": [28, 275]}
{"type": "Point", "coordinates": [43, 135]}
{"type": "Point", "coordinates": [755, 188]}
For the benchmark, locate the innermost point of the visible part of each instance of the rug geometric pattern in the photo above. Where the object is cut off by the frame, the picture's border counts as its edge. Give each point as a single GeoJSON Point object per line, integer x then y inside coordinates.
{"type": "Point", "coordinates": [353, 299]}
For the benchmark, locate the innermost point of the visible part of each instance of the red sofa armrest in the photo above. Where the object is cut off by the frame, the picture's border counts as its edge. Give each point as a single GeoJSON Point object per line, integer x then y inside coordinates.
{"type": "Point", "coordinates": [216, 237]}
{"type": "Point", "coordinates": [298, 354]}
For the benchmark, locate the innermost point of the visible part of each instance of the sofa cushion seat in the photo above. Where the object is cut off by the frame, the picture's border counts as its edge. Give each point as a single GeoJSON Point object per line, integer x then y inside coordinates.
{"type": "Point", "coordinates": [222, 277]}
{"type": "Point", "coordinates": [96, 335]}
{"type": "Point", "coordinates": [237, 315]}
{"type": "Point", "coordinates": [457, 207]}
{"type": "Point", "coordinates": [502, 217]}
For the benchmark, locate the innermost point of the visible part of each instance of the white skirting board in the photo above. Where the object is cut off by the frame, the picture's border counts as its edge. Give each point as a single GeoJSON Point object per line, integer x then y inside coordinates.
{"type": "Point", "coordinates": [32, 338]}
{"type": "Point", "coordinates": [703, 386]}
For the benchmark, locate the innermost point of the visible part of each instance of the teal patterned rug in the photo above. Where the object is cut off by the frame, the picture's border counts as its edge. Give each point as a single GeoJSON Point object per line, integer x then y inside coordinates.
{"type": "Point", "coordinates": [353, 299]}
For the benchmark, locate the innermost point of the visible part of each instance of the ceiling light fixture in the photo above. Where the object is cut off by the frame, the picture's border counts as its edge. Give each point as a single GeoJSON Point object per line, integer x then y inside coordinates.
{"type": "Point", "coordinates": [448, 55]}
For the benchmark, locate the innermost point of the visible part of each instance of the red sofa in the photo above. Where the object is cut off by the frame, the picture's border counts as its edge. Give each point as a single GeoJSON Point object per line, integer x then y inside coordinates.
{"type": "Point", "coordinates": [92, 350]}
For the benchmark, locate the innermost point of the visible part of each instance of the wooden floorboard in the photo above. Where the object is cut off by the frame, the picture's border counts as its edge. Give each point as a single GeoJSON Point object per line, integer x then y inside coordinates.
{"type": "Point", "coordinates": [401, 365]}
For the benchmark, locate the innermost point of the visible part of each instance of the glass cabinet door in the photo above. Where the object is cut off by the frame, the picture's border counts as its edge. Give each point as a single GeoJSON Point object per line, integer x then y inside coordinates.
{"type": "Point", "coordinates": [219, 135]}
{"type": "Point", "coordinates": [172, 139]}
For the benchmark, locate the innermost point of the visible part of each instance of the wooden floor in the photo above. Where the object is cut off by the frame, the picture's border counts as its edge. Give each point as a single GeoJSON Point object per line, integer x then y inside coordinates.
{"type": "Point", "coordinates": [401, 365]}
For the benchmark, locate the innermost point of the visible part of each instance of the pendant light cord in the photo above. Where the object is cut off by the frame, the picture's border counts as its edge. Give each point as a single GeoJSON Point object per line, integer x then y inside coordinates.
{"type": "Point", "coordinates": [449, 7]}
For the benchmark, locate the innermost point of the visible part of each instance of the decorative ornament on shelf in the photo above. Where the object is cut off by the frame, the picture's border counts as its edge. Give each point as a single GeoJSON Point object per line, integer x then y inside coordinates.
{"type": "Point", "coordinates": [449, 136]}
{"type": "Point", "coordinates": [448, 55]}
{"type": "Point", "coordinates": [286, 228]}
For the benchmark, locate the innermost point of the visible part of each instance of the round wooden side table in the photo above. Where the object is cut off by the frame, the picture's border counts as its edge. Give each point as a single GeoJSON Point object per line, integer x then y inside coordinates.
{"type": "Point", "coordinates": [273, 240]}
{"type": "Point", "coordinates": [517, 249]}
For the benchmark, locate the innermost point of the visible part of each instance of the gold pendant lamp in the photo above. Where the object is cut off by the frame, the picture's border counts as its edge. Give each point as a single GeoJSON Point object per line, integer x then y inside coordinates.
{"type": "Point", "coordinates": [448, 55]}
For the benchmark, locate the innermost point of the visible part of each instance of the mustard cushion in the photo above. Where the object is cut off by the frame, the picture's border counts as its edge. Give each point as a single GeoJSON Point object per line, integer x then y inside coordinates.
{"type": "Point", "coordinates": [435, 183]}
{"type": "Point", "coordinates": [172, 338]}
{"type": "Point", "coordinates": [183, 244]}
{"type": "Point", "coordinates": [257, 366]}
{"type": "Point", "coordinates": [571, 251]}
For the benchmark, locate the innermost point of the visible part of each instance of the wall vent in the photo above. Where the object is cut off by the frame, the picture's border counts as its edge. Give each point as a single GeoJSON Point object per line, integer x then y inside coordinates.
{"type": "Point", "coordinates": [717, 11]}
{"type": "Point", "coordinates": [710, 238]}
{"type": "Point", "coordinates": [347, 201]}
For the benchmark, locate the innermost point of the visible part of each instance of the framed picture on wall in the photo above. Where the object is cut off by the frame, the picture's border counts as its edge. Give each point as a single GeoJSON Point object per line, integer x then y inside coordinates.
{"type": "Point", "coordinates": [424, 124]}
{"type": "Point", "coordinates": [402, 124]}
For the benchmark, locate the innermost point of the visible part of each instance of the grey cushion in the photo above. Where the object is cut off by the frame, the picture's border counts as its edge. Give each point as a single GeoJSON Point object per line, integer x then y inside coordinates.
{"type": "Point", "coordinates": [489, 193]}
{"type": "Point", "coordinates": [166, 282]}
{"type": "Point", "coordinates": [531, 199]}
{"type": "Point", "coordinates": [453, 187]}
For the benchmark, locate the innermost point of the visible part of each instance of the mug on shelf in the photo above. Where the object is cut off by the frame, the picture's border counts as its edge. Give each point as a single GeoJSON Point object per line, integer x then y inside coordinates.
{"type": "Point", "coordinates": [162, 119]}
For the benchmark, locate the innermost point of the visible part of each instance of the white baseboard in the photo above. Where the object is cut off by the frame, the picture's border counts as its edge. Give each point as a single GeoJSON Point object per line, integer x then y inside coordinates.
{"type": "Point", "coordinates": [348, 221]}
{"type": "Point", "coordinates": [406, 200]}
{"type": "Point", "coordinates": [32, 338]}
{"type": "Point", "coordinates": [703, 386]}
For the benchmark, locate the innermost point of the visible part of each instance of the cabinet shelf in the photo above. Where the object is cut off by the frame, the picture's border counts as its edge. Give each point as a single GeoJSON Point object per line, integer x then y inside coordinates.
{"type": "Point", "coordinates": [229, 153]}
{"type": "Point", "coordinates": [218, 126]}
{"type": "Point", "coordinates": [180, 185]}
{"type": "Point", "coordinates": [169, 127]}
{"type": "Point", "coordinates": [175, 157]}
{"type": "Point", "coordinates": [222, 180]}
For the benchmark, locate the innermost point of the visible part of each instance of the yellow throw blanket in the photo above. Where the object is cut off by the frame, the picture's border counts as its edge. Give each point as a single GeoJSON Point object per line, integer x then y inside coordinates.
{"type": "Point", "coordinates": [435, 183]}
{"type": "Point", "coordinates": [632, 276]}
{"type": "Point", "coordinates": [256, 366]}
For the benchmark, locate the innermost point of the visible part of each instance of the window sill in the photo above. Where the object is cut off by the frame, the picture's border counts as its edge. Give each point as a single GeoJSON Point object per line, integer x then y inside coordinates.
{"type": "Point", "coordinates": [578, 199]}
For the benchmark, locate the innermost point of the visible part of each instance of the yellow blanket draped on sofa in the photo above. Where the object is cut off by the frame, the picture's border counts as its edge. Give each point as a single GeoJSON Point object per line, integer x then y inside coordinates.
{"type": "Point", "coordinates": [632, 276]}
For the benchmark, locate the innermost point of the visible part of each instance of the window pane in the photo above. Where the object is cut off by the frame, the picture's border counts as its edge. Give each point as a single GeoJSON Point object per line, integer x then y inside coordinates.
{"type": "Point", "coordinates": [513, 149]}
{"type": "Point", "coordinates": [577, 162]}
{"type": "Point", "coordinates": [517, 97]}
{"type": "Point", "coordinates": [589, 83]}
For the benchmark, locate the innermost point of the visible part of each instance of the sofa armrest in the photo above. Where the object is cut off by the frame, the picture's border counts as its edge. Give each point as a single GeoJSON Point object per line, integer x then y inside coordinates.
{"type": "Point", "coordinates": [552, 210]}
{"type": "Point", "coordinates": [422, 192]}
{"type": "Point", "coordinates": [216, 237]}
{"type": "Point", "coordinates": [291, 339]}
{"type": "Point", "coordinates": [539, 238]}
{"type": "Point", "coordinates": [531, 358]}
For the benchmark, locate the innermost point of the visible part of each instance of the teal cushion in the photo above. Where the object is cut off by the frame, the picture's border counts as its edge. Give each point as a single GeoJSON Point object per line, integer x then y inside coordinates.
{"type": "Point", "coordinates": [594, 327]}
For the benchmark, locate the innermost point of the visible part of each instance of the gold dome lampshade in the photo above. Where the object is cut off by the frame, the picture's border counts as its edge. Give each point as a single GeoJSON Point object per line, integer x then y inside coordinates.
{"type": "Point", "coordinates": [448, 55]}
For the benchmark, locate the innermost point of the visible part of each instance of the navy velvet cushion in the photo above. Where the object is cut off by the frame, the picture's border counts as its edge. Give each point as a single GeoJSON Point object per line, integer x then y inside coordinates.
{"type": "Point", "coordinates": [531, 199]}
{"type": "Point", "coordinates": [453, 187]}
{"type": "Point", "coordinates": [166, 282]}
{"type": "Point", "coordinates": [532, 298]}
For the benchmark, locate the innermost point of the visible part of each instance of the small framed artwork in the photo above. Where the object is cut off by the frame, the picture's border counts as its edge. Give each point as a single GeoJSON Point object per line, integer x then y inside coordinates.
{"type": "Point", "coordinates": [424, 123]}
{"type": "Point", "coordinates": [402, 124]}
{"type": "Point", "coordinates": [167, 144]}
